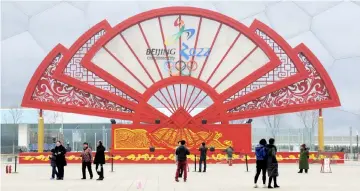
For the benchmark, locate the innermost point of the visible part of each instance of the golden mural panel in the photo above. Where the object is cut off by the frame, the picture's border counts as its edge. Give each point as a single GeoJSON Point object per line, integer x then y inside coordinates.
{"type": "Point", "coordinates": [125, 138]}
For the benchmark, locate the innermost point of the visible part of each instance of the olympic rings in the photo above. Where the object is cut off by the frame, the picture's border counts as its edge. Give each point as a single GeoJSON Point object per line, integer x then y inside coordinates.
{"type": "Point", "coordinates": [180, 66]}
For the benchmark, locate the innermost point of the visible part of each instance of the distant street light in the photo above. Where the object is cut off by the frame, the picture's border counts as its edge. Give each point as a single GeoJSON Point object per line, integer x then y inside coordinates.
{"type": "Point", "coordinates": [357, 144]}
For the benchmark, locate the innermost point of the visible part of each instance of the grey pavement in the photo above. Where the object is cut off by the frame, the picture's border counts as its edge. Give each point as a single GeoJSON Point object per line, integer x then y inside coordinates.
{"type": "Point", "coordinates": [160, 177]}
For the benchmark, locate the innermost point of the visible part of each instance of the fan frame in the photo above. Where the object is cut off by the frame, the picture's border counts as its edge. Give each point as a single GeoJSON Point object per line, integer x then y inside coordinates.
{"type": "Point", "coordinates": [143, 111]}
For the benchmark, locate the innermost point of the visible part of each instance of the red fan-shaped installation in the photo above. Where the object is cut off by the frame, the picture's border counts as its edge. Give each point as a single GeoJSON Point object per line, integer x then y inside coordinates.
{"type": "Point", "coordinates": [183, 67]}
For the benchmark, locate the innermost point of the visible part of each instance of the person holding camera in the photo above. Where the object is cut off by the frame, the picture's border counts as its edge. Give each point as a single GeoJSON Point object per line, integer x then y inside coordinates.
{"type": "Point", "coordinates": [304, 159]}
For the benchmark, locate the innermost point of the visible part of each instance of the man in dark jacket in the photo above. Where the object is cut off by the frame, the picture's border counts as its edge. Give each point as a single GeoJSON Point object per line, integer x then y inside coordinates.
{"type": "Point", "coordinates": [99, 160]}
{"type": "Point", "coordinates": [59, 153]}
{"type": "Point", "coordinates": [203, 150]}
{"type": "Point", "coordinates": [181, 153]}
{"type": "Point", "coordinates": [176, 160]}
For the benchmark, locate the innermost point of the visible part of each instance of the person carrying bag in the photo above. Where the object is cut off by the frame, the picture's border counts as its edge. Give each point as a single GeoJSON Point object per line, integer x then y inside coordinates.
{"type": "Point", "coordinates": [99, 160]}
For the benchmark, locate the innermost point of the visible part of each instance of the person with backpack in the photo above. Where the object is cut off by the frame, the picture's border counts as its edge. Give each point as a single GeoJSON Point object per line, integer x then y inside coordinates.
{"type": "Point", "coordinates": [304, 159]}
{"type": "Point", "coordinates": [203, 150]}
{"type": "Point", "coordinates": [181, 153]}
{"type": "Point", "coordinates": [260, 152]}
{"type": "Point", "coordinates": [86, 157]}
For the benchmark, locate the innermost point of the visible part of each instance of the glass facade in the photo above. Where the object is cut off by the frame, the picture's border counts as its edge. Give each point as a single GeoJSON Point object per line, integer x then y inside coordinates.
{"type": "Point", "coordinates": [74, 135]}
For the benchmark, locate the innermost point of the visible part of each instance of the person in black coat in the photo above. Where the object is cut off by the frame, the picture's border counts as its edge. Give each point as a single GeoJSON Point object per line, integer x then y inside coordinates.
{"type": "Point", "coordinates": [203, 150]}
{"type": "Point", "coordinates": [99, 160]}
{"type": "Point", "coordinates": [60, 161]}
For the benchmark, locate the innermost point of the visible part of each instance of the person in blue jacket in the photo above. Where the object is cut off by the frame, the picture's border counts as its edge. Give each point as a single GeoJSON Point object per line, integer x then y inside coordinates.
{"type": "Point", "coordinates": [260, 152]}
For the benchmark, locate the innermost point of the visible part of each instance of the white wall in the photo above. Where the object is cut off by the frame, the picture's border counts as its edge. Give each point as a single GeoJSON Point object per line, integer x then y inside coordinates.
{"type": "Point", "coordinates": [23, 135]}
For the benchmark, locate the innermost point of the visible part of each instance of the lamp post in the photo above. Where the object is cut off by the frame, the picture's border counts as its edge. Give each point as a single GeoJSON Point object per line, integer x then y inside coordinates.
{"type": "Point", "coordinates": [351, 149]}
{"type": "Point", "coordinates": [357, 144]}
{"type": "Point", "coordinates": [320, 131]}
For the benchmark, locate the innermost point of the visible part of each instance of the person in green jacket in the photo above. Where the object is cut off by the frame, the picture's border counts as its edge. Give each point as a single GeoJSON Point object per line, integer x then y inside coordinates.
{"type": "Point", "coordinates": [304, 159]}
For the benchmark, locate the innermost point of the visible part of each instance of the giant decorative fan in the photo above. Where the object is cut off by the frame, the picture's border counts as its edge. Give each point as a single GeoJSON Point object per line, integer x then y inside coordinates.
{"type": "Point", "coordinates": [180, 65]}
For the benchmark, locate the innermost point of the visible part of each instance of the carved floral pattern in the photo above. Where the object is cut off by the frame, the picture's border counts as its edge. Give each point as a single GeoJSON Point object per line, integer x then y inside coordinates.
{"type": "Point", "coordinates": [53, 91]}
{"type": "Point", "coordinates": [310, 90]}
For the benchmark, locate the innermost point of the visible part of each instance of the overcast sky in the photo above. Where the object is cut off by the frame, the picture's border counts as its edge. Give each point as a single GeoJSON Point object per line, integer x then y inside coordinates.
{"type": "Point", "coordinates": [29, 30]}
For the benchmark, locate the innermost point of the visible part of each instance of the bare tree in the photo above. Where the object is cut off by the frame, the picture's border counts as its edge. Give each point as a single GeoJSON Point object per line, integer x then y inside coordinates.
{"type": "Point", "coordinates": [16, 114]}
{"type": "Point", "coordinates": [4, 118]}
{"type": "Point", "coordinates": [272, 123]}
{"type": "Point", "coordinates": [54, 117]}
{"type": "Point", "coordinates": [310, 121]}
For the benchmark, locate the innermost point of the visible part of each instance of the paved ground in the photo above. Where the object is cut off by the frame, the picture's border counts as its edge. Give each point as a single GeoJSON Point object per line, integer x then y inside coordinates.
{"type": "Point", "coordinates": [157, 177]}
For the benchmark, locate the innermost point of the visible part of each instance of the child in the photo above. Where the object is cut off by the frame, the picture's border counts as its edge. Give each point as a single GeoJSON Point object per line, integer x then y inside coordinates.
{"type": "Point", "coordinates": [53, 164]}
{"type": "Point", "coordinates": [229, 151]}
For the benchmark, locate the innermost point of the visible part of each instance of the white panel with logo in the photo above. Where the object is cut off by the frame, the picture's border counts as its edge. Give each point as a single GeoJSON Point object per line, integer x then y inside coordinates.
{"type": "Point", "coordinates": [170, 27]}
{"type": "Point", "coordinates": [180, 45]}
{"type": "Point", "coordinates": [136, 41]}
{"type": "Point", "coordinates": [155, 51]}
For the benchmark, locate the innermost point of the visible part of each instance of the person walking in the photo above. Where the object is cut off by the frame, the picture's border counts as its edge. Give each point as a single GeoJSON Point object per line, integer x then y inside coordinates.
{"type": "Point", "coordinates": [181, 153]}
{"type": "Point", "coordinates": [203, 150]}
{"type": "Point", "coordinates": [53, 165]}
{"type": "Point", "coordinates": [304, 159]}
{"type": "Point", "coordinates": [68, 148]}
{"type": "Point", "coordinates": [60, 161]}
{"type": "Point", "coordinates": [99, 160]}
{"type": "Point", "coordinates": [229, 151]}
{"type": "Point", "coordinates": [86, 157]}
{"type": "Point", "coordinates": [260, 152]}
{"type": "Point", "coordinates": [272, 163]}
{"type": "Point", "coordinates": [176, 160]}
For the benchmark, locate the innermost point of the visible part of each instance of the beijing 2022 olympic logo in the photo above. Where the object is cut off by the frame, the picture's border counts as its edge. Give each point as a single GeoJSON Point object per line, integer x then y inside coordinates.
{"type": "Point", "coordinates": [186, 64]}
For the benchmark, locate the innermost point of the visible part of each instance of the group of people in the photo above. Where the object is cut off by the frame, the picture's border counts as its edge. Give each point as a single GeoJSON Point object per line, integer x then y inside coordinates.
{"type": "Point", "coordinates": [266, 162]}
{"type": "Point", "coordinates": [58, 161]}
{"type": "Point", "coordinates": [181, 153]}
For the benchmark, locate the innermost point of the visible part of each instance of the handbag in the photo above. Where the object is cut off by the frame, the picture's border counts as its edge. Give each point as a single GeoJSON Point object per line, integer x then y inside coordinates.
{"type": "Point", "coordinates": [98, 169]}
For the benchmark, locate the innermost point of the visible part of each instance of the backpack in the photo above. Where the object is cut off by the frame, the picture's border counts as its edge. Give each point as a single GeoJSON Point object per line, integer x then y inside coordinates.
{"type": "Point", "coordinates": [261, 154]}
